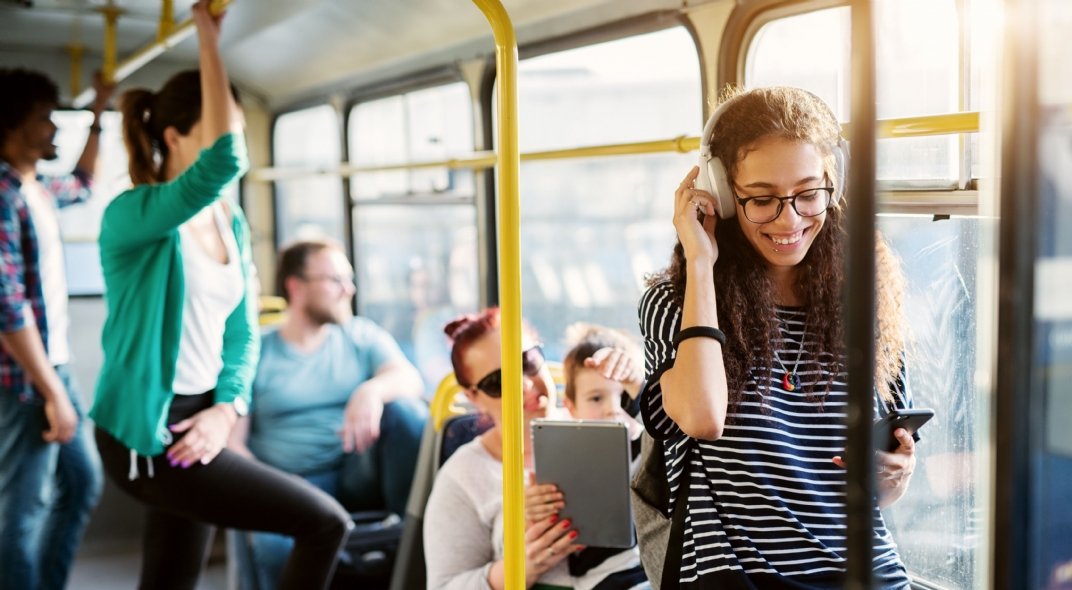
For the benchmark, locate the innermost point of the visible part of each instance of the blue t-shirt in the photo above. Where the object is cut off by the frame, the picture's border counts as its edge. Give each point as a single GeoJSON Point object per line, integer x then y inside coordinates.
{"type": "Point", "coordinates": [299, 399]}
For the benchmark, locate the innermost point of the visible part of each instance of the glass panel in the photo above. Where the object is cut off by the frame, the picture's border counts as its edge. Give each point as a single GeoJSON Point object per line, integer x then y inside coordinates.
{"type": "Point", "coordinates": [432, 124]}
{"type": "Point", "coordinates": [634, 89]}
{"type": "Point", "coordinates": [593, 228]}
{"type": "Point", "coordinates": [809, 51]}
{"type": "Point", "coordinates": [418, 270]}
{"type": "Point", "coordinates": [917, 51]}
{"type": "Point", "coordinates": [311, 206]}
{"type": "Point", "coordinates": [417, 262]}
{"type": "Point", "coordinates": [591, 231]}
{"type": "Point", "coordinates": [937, 523]}
{"type": "Point", "coordinates": [1051, 563]}
{"type": "Point", "coordinates": [80, 224]}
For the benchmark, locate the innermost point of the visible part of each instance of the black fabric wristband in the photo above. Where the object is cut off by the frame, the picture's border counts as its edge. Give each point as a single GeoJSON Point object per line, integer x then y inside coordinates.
{"type": "Point", "coordinates": [699, 332]}
{"type": "Point", "coordinates": [94, 128]}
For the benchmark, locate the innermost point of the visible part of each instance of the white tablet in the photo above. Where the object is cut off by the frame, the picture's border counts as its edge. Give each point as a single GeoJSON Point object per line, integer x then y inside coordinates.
{"type": "Point", "coordinates": [589, 462]}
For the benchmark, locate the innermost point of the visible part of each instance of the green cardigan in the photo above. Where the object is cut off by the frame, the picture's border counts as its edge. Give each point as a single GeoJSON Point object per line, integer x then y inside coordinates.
{"type": "Point", "coordinates": [141, 257]}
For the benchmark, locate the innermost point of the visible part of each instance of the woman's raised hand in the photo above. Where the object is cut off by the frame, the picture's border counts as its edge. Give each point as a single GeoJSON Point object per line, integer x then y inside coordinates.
{"type": "Point", "coordinates": [208, 24]}
{"type": "Point", "coordinates": [617, 364]}
{"type": "Point", "coordinates": [698, 239]}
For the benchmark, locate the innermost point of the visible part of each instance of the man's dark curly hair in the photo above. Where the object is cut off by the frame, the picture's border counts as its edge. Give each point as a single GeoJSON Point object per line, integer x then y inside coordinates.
{"type": "Point", "coordinates": [23, 90]}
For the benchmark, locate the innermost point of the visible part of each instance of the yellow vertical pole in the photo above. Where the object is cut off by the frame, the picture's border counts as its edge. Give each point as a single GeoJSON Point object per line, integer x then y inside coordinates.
{"type": "Point", "coordinates": [111, 18]}
{"type": "Point", "coordinates": [76, 51]}
{"type": "Point", "coordinates": [167, 20]}
{"type": "Point", "coordinates": [509, 163]}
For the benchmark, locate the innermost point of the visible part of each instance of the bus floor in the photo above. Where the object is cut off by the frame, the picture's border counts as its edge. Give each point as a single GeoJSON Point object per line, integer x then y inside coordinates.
{"type": "Point", "coordinates": [111, 566]}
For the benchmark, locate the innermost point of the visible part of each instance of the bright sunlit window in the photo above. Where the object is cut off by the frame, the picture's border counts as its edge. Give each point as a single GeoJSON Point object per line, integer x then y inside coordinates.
{"type": "Point", "coordinates": [432, 124]}
{"type": "Point", "coordinates": [414, 230]}
{"type": "Point", "coordinates": [310, 206]}
{"type": "Point", "coordinates": [917, 51]}
{"type": "Point", "coordinates": [80, 224]}
{"type": "Point", "coordinates": [593, 228]}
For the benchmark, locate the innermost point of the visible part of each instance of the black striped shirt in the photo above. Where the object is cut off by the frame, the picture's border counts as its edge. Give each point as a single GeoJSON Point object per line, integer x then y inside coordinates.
{"type": "Point", "coordinates": [765, 503]}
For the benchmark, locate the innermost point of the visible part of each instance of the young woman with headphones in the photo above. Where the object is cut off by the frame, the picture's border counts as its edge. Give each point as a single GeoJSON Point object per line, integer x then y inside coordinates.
{"type": "Point", "coordinates": [743, 334]}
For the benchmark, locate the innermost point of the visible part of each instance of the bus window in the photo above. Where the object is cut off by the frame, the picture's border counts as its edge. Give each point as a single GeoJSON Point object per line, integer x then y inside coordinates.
{"type": "Point", "coordinates": [917, 51]}
{"type": "Point", "coordinates": [80, 224]}
{"type": "Point", "coordinates": [416, 255]}
{"type": "Point", "coordinates": [425, 125]}
{"type": "Point", "coordinates": [311, 206]}
{"type": "Point", "coordinates": [593, 228]}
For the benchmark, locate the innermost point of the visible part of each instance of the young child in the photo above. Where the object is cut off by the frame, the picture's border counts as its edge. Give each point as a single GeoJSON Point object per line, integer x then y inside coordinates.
{"type": "Point", "coordinates": [603, 377]}
{"type": "Point", "coordinates": [603, 380]}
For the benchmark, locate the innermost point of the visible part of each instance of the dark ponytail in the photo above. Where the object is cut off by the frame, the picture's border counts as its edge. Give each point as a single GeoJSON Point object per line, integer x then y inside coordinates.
{"type": "Point", "coordinates": [142, 164]}
{"type": "Point", "coordinates": [146, 115]}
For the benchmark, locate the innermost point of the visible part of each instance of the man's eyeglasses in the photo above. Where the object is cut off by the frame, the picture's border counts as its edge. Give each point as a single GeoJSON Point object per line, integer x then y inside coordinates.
{"type": "Point", "coordinates": [339, 280]}
{"type": "Point", "coordinates": [767, 208]}
{"type": "Point", "coordinates": [531, 362]}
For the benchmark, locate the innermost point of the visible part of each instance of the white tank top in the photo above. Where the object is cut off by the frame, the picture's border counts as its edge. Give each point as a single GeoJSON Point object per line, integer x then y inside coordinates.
{"type": "Point", "coordinates": [53, 273]}
{"type": "Point", "coordinates": [213, 291]}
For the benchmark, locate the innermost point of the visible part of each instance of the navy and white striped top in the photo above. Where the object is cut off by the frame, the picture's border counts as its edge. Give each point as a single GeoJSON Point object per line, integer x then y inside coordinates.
{"type": "Point", "coordinates": [766, 505]}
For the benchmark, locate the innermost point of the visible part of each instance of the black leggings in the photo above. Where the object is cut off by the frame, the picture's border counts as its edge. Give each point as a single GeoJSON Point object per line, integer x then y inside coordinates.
{"type": "Point", "coordinates": [231, 491]}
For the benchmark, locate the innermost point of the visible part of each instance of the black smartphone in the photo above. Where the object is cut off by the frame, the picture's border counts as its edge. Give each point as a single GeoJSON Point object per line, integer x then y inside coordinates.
{"type": "Point", "coordinates": [910, 420]}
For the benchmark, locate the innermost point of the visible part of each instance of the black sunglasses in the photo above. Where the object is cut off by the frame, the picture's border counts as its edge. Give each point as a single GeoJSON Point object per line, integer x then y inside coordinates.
{"type": "Point", "coordinates": [531, 362]}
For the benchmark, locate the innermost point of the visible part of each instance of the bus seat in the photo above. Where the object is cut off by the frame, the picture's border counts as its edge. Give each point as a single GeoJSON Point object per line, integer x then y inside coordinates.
{"type": "Point", "coordinates": [450, 427]}
{"type": "Point", "coordinates": [272, 310]}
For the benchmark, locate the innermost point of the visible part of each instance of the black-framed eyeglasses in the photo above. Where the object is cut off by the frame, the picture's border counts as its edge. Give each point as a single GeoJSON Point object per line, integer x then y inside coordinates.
{"type": "Point", "coordinates": [339, 280]}
{"type": "Point", "coordinates": [531, 362]}
{"type": "Point", "coordinates": [767, 208]}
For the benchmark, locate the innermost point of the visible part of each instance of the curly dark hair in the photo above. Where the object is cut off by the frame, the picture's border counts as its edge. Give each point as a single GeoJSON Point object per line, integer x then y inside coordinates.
{"type": "Point", "coordinates": [744, 290]}
{"type": "Point", "coordinates": [23, 90]}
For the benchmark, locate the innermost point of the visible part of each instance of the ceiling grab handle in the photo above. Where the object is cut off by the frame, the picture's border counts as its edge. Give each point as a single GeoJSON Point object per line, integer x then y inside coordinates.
{"type": "Point", "coordinates": [76, 51]}
{"type": "Point", "coordinates": [509, 206]}
{"type": "Point", "coordinates": [111, 21]}
{"type": "Point", "coordinates": [122, 70]}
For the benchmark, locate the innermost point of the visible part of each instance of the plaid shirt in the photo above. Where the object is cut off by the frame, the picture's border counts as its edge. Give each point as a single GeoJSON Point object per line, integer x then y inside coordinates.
{"type": "Point", "coordinates": [20, 273]}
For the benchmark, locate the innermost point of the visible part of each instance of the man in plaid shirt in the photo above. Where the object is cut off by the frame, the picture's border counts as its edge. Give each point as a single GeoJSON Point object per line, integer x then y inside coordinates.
{"type": "Point", "coordinates": [49, 472]}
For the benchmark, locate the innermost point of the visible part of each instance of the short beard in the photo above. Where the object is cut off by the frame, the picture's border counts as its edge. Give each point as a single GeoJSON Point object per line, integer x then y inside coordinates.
{"type": "Point", "coordinates": [321, 316]}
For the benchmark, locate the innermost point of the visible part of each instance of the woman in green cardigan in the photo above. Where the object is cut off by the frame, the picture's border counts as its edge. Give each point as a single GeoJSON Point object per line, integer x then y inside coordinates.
{"type": "Point", "coordinates": [181, 344]}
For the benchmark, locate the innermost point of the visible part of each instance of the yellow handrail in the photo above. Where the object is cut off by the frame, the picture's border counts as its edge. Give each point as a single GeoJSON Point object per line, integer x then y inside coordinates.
{"type": "Point", "coordinates": [966, 122]}
{"type": "Point", "coordinates": [117, 72]}
{"type": "Point", "coordinates": [509, 234]}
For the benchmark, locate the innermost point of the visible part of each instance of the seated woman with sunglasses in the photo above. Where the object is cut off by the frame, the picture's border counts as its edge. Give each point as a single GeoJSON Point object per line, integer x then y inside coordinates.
{"type": "Point", "coordinates": [463, 525]}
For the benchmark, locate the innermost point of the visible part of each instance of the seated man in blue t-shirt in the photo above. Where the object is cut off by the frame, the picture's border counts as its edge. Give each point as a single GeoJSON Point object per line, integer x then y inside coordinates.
{"type": "Point", "coordinates": [334, 400]}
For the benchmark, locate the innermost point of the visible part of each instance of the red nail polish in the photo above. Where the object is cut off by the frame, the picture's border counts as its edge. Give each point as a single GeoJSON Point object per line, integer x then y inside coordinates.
{"type": "Point", "coordinates": [566, 523]}
{"type": "Point", "coordinates": [573, 534]}
{"type": "Point", "coordinates": [553, 518]}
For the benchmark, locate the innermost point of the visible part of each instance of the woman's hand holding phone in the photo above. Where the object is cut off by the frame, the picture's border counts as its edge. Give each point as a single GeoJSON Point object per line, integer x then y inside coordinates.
{"type": "Point", "coordinates": [893, 470]}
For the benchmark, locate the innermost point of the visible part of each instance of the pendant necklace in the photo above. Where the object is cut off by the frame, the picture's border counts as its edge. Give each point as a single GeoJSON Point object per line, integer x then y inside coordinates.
{"type": "Point", "coordinates": [790, 379]}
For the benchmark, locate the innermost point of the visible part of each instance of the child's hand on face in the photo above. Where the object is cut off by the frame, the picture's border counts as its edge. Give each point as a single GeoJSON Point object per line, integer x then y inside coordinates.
{"type": "Point", "coordinates": [541, 500]}
{"type": "Point", "coordinates": [617, 364]}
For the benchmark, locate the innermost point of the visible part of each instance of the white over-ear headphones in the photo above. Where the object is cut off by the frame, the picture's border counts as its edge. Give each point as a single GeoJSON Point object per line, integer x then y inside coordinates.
{"type": "Point", "coordinates": [714, 178]}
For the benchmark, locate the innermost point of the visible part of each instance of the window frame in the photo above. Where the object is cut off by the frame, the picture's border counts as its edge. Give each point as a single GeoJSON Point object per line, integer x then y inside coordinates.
{"type": "Point", "coordinates": [744, 24]}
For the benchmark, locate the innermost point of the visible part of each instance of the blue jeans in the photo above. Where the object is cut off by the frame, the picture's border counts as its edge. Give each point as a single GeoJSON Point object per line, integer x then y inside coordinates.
{"type": "Point", "coordinates": [377, 479]}
{"type": "Point", "coordinates": [47, 493]}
